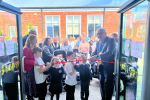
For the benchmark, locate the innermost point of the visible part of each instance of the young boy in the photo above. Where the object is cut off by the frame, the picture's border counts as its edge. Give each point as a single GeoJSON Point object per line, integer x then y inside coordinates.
{"type": "Point", "coordinates": [85, 77]}
{"type": "Point", "coordinates": [40, 78]}
{"type": "Point", "coordinates": [71, 77]}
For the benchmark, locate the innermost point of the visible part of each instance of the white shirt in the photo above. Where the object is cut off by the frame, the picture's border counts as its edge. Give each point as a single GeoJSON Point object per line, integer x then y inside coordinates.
{"type": "Point", "coordinates": [72, 44]}
{"type": "Point", "coordinates": [39, 78]}
{"type": "Point", "coordinates": [70, 79]}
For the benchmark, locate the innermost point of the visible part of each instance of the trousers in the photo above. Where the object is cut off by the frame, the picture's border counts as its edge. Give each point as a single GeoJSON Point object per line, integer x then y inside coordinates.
{"type": "Point", "coordinates": [85, 90]}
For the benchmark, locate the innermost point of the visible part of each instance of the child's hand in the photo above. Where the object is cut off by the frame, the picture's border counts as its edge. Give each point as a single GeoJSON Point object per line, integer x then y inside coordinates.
{"type": "Point", "coordinates": [36, 64]}
{"type": "Point", "coordinates": [48, 64]}
{"type": "Point", "coordinates": [64, 76]}
{"type": "Point", "coordinates": [90, 80]}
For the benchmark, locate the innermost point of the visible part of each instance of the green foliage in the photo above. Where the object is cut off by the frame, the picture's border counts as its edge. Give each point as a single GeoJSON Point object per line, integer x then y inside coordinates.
{"type": "Point", "coordinates": [29, 27]}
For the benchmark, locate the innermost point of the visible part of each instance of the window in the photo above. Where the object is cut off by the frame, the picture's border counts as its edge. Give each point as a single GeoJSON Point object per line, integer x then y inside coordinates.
{"type": "Point", "coordinates": [35, 28]}
{"type": "Point", "coordinates": [94, 22]}
{"type": "Point", "coordinates": [73, 26]}
{"type": "Point", "coordinates": [12, 31]}
{"type": "Point", "coordinates": [53, 26]}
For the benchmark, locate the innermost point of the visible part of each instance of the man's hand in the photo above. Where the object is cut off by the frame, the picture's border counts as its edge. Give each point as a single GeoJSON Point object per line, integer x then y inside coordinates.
{"type": "Point", "coordinates": [64, 76]}
{"type": "Point", "coordinates": [93, 58]}
{"type": "Point", "coordinates": [90, 80]}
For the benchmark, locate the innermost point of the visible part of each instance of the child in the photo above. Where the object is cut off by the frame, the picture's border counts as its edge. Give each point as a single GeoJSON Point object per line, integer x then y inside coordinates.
{"type": "Point", "coordinates": [40, 78]}
{"type": "Point", "coordinates": [85, 77]}
{"type": "Point", "coordinates": [71, 77]}
{"type": "Point", "coordinates": [57, 72]}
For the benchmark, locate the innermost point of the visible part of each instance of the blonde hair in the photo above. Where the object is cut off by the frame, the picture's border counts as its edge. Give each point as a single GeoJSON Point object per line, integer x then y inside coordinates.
{"type": "Point", "coordinates": [53, 59]}
{"type": "Point", "coordinates": [29, 42]}
{"type": "Point", "coordinates": [57, 42]}
{"type": "Point", "coordinates": [64, 41]}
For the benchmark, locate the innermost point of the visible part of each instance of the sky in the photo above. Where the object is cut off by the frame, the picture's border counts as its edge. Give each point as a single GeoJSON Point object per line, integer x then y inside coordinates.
{"type": "Point", "coordinates": [61, 3]}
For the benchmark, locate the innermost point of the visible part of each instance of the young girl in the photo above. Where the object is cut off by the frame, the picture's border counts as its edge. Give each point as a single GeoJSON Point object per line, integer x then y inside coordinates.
{"type": "Point", "coordinates": [56, 72]}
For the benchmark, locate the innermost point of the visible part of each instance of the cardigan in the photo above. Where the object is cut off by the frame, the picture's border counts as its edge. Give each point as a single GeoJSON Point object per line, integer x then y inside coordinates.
{"type": "Point", "coordinates": [29, 59]}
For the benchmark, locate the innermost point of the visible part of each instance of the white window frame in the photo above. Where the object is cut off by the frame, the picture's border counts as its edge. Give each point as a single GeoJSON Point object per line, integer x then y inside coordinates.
{"type": "Point", "coordinates": [94, 23]}
{"type": "Point", "coordinates": [36, 28]}
{"type": "Point", "coordinates": [73, 23]}
{"type": "Point", "coordinates": [52, 23]}
{"type": "Point", "coordinates": [10, 32]}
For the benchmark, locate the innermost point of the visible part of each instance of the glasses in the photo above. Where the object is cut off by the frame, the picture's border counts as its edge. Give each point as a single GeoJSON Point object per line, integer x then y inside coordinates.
{"type": "Point", "coordinates": [100, 33]}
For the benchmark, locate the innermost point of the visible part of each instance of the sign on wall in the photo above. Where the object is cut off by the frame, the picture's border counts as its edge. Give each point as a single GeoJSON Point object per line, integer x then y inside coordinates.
{"type": "Point", "coordinates": [9, 47]}
{"type": "Point", "coordinates": [136, 49]}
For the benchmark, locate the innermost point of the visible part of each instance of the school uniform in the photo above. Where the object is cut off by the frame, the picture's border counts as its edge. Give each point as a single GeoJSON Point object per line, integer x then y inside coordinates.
{"type": "Point", "coordinates": [70, 82]}
{"type": "Point", "coordinates": [85, 77]}
{"type": "Point", "coordinates": [56, 80]}
{"type": "Point", "coordinates": [40, 80]}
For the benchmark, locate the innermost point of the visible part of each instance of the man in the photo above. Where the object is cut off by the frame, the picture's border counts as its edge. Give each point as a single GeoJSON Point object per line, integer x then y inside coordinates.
{"type": "Point", "coordinates": [31, 32]}
{"type": "Point", "coordinates": [106, 51]}
{"type": "Point", "coordinates": [115, 36]}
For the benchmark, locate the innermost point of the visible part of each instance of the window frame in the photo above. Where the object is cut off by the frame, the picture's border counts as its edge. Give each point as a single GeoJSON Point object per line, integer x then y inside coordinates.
{"type": "Point", "coordinates": [73, 24]}
{"type": "Point", "coordinates": [52, 23]}
{"type": "Point", "coordinates": [94, 23]}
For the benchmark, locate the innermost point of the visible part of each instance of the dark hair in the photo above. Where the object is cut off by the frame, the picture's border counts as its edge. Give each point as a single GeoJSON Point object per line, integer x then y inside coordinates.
{"type": "Point", "coordinates": [69, 53]}
{"type": "Point", "coordinates": [46, 40]}
{"type": "Point", "coordinates": [37, 49]}
{"type": "Point", "coordinates": [115, 34]}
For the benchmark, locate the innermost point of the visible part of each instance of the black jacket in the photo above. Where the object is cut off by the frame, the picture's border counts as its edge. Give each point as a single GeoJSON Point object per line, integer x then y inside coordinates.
{"type": "Point", "coordinates": [24, 39]}
{"type": "Point", "coordinates": [85, 72]}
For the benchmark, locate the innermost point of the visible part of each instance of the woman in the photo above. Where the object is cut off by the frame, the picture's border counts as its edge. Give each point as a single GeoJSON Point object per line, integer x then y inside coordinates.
{"type": "Point", "coordinates": [56, 45]}
{"type": "Point", "coordinates": [84, 47]}
{"type": "Point", "coordinates": [61, 42]}
{"type": "Point", "coordinates": [47, 50]}
{"type": "Point", "coordinates": [41, 44]}
{"type": "Point", "coordinates": [65, 46]}
{"type": "Point", "coordinates": [29, 62]}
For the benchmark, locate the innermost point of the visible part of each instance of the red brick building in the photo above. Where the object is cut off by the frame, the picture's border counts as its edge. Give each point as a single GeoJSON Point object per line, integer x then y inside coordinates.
{"type": "Point", "coordinates": [67, 21]}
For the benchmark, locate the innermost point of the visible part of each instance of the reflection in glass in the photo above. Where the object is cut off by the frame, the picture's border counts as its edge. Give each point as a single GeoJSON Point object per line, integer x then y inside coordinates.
{"type": "Point", "coordinates": [76, 29]}
{"type": "Point", "coordinates": [69, 19]}
{"type": "Point", "coordinates": [49, 19]}
{"type": "Point", "coordinates": [132, 58]}
{"type": "Point", "coordinates": [55, 19]}
{"type": "Point", "coordinates": [98, 19]}
{"type": "Point", "coordinates": [56, 30]}
{"type": "Point", "coordinates": [50, 30]}
{"type": "Point", "coordinates": [76, 19]}
{"type": "Point", "coordinates": [91, 19]}
{"type": "Point", "coordinates": [9, 64]}
{"type": "Point", "coordinates": [90, 30]}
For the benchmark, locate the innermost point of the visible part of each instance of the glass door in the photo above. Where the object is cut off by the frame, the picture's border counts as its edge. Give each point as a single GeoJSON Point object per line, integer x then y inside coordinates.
{"type": "Point", "coordinates": [132, 54]}
{"type": "Point", "coordinates": [9, 61]}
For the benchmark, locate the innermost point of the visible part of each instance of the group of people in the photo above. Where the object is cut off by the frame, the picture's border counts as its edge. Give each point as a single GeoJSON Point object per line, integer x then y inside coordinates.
{"type": "Point", "coordinates": [40, 62]}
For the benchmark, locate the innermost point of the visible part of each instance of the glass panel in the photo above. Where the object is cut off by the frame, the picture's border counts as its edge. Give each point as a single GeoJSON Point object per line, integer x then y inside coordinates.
{"type": "Point", "coordinates": [69, 29]}
{"type": "Point", "coordinates": [9, 64]}
{"type": "Point", "coordinates": [76, 29]}
{"type": "Point", "coordinates": [76, 19]}
{"type": "Point", "coordinates": [56, 19]}
{"type": "Point", "coordinates": [69, 19]}
{"type": "Point", "coordinates": [56, 30]}
{"type": "Point", "coordinates": [98, 19]}
{"type": "Point", "coordinates": [91, 19]}
{"type": "Point", "coordinates": [90, 30]}
{"type": "Point", "coordinates": [50, 30]}
{"type": "Point", "coordinates": [132, 58]}
{"type": "Point", "coordinates": [49, 19]}
{"type": "Point", "coordinates": [96, 27]}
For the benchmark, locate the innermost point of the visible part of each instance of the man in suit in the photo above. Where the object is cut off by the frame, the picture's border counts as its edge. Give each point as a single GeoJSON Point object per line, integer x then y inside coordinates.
{"type": "Point", "coordinates": [105, 50]}
{"type": "Point", "coordinates": [31, 32]}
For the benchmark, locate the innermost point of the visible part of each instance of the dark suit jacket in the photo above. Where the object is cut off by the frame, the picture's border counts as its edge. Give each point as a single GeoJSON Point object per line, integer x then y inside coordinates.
{"type": "Point", "coordinates": [108, 54]}
{"type": "Point", "coordinates": [24, 39]}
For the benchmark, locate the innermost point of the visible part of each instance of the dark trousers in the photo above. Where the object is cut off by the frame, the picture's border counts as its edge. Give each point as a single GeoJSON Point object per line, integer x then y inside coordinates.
{"type": "Point", "coordinates": [42, 88]}
{"type": "Point", "coordinates": [70, 92]}
{"type": "Point", "coordinates": [57, 96]}
{"type": "Point", "coordinates": [106, 86]}
{"type": "Point", "coordinates": [11, 90]}
{"type": "Point", "coordinates": [85, 90]}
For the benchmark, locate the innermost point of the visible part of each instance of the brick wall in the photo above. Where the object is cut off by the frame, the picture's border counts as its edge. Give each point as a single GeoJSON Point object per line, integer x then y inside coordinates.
{"type": "Point", "coordinates": [110, 25]}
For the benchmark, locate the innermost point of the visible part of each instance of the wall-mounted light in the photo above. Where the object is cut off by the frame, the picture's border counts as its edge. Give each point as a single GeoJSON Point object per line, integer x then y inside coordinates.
{"type": "Point", "coordinates": [35, 14]}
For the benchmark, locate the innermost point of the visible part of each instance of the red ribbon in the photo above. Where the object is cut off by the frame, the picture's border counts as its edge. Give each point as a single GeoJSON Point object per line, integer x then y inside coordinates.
{"type": "Point", "coordinates": [82, 60]}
